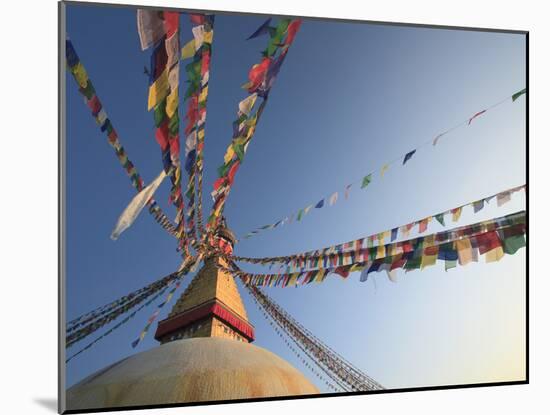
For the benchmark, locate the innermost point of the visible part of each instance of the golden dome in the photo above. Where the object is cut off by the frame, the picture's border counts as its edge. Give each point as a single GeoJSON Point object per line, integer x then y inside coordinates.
{"type": "Point", "coordinates": [190, 370]}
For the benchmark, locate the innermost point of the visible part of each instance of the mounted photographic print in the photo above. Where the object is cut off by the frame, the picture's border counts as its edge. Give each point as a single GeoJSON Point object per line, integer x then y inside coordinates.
{"type": "Point", "coordinates": [260, 207]}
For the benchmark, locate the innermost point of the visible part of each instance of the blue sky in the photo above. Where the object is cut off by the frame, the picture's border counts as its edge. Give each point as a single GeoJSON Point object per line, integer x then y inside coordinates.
{"type": "Point", "coordinates": [349, 98]}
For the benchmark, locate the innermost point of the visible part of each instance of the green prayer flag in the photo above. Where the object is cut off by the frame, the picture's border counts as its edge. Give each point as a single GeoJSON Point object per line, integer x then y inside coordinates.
{"type": "Point", "coordinates": [223, 169]}
{"type": "Point", "coordinates": [174, 124]}
{"type": "Point", "coordinates": [449, 264]}
{"type": "Point", "coordinates": [366, 181]}
{"type": "Point", "coordinates": [193, 70]}
{"type": "Point", "coordinates": [239, 150]}
{"type": "Point", "coordinates": [88, 91]}
{"type": "Point", "coordinates": [518, 94]}
{"type": "Point", "coordinates": [441, 218]}
{"type": "Point", "coordinates": [159, 113]}
{"type": "Point", "coordinates": [513, 243]}
{"type": "Point", "coordinates": [282, 26]}
{"type": "Point", "coordinates": [300, 213]}
{"type": "Point", "coordinates": [413, 263]}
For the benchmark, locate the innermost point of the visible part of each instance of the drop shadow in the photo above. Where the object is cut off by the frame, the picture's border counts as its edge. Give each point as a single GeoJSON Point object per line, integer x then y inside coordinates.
{"type": "Point", "coordinates": [48, 403]}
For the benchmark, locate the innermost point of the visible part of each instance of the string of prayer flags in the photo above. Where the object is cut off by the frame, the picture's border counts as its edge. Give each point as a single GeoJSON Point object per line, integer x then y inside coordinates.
{"type": "Point", "coordinates": [380, 237]}
{"type": "Point", "coordinates": [87, 90]}
{"type": "Point", "coordinates": [155, 314]}
{"type": "Point", "coordinates": [261, 78]}
{"type": "Point", "coordinates": [160, 30]}
{"type": "Point", "coordinates": [367, 179]}
{"type": "Point", "coordinates": [493, 238]}
{"type": "Point", "coordinates": [116, 326]}
{"type": "Point", "coordinates": [198, 74]}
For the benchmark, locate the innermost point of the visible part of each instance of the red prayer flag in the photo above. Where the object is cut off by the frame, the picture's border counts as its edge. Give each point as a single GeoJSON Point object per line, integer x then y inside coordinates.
{"type": "Point", "coordinates": [257, 73]}
{"type": "Point", "coordinates": [292, 30]}
{"type": "Point", "coordinates": [205, 62]}
{"type": "Point", "coordinates": [475, 115]}
{"type": "Point", "coordinates": [196, 18]}
{"type": "Point", "coordinates": [232, 171]}
{"type": "Point", "coordinates": [175, 145]}
{"type": "Point", "coordinates": [162, 136]}
{"type": "Point", "coordinates": [342, 271]}
{"type": "Point", "coordinates": [487, 242]}
{"type": "Point", "coordinates": [94, 104]}
{"type": "Point", "coordinates": [171, 22]}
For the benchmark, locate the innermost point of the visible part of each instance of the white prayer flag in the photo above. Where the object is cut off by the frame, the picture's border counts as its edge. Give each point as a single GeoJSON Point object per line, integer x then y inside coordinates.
{"type": "Point", "coordinates": [133, 210]}
{"type": "Point", "coordinates": [150, 27]}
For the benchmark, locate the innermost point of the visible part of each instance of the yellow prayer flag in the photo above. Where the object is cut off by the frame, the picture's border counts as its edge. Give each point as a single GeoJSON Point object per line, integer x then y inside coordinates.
{"type": "Point", "coordinates": [292, 280]}
{"type": "Point", "coordinates": [200, 134]}
{"type": "Point", "coordinates": [188, 51]}
{"type": "Point", "coordinates": [172, 103]}
{"type": "Point", "coordinates": [208, 36]}
{"type": "Point", "coordinates": [427, 260]}
{"type": "Point", "coordinates": [158, 91]}
{"type": "Point", "coordinates": [229, 155]}
{"type": "Point", "coordinates": [80, 75]}
{"type": "Point", "coordinates": [464, 248]}
{"type": "Point", "coordinates": [456, 214]}
{"type": "Point", "coordinates": [384, 170]}
{"type": "Point", "coordinates": [381, 251]}
{"type": "Point", "coordinates": [320, 276]}
{"type": "Point", "coordinates": [204, 94]}
{"type": "Point", "coordinates": [494, 255]}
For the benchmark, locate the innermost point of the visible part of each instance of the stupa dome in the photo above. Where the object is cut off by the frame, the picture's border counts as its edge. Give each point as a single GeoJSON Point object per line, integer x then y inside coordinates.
{"type": "Point", "coordinates": [190, 370]}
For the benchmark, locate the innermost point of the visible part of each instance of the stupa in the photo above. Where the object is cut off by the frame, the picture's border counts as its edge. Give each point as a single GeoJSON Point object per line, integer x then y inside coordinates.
{"type": "Point", "coordinates": [205, 353]}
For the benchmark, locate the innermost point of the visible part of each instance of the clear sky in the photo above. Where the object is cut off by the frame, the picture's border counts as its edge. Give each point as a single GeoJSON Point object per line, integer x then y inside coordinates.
{"type": "Point", "coordinates": [349, 98]}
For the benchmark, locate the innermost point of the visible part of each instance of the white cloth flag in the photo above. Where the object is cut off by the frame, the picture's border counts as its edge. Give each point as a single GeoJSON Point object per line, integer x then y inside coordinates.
{"type": "Point", "coordinates": [136, 205]}
{"type": "Point", "coordinates": [245, 106]}
{"type": "Point", "coordinates": [150, 27]}
{"type": "Point", "coordinates": [333, 198]}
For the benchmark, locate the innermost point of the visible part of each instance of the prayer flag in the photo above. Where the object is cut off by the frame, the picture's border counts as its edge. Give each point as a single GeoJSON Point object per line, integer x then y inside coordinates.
{"type": "Point", "coordinates": [464, 248]}
{"type": "Point", "coordinates": [300, 213]}
{"type": "Point", "coordinates": [408, 156]}
{"type": "Point", "coordinates": [307, 209]}
{"type": "Point", "coordinates": [132, 211]}
{"type": "Point", "coordinates": [263, 29]}
{"type": "Point", "coordinates": [320, 204]}
{"type": "Point", "coordinates": [436, 139]}
{"type": "Point", "coordinates": [513, 243]}
{"type": "Point", "coordinates": [494, 255]}
{"type": "Point", "coordinates": [246, 105]}
{"type": "Point", "coordinates": [292, 30]}
{"type": "Point", "coordinates": [475, 116]}
{"type": "Point", "coordinates": [478, 205]}
{"type": "Point", "coordinates": [333, 198]}
{"type": "Point", "coordinates": [158, 90]}
{"type": "Point", "coordinates": [384, 169]}
{"type": "Point", "coordinates": [456, 213]}
{"type": "Point", "coordinates": [150, 27]}
{"type": "Point", "coordinates": [346, 191]}
{"type": "Point", "coordinates": [366, 180]}
{"type": "Point", "coordinates": [518, 94]}
{"type": "Point", "coordinates": [394, 234]}
{"type": "Point", "coordinates": [440, 218]}
{"type": "Point", "coordinates": [503, 198]}
{"type": "Point", "coordinates": [188, 51]}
